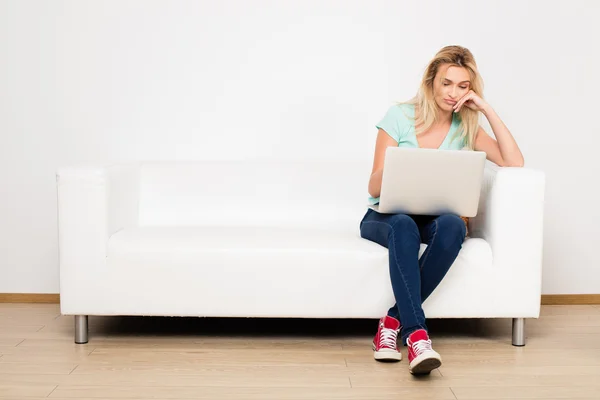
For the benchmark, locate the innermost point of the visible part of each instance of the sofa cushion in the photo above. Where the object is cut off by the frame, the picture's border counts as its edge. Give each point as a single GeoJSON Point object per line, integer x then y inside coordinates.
{"type": "Point", "coordinates": [269, 272]}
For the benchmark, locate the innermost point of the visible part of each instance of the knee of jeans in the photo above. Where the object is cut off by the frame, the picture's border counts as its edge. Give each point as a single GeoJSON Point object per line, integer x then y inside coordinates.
{"type": "Point", "coordinates": [451, 229]}
{"type": "Point", "coordinates": [404, 223]}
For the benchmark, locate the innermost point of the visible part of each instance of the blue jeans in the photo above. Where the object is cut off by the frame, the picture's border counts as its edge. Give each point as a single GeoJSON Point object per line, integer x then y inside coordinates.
{"type": "Point", "coordinates": [414, 279]}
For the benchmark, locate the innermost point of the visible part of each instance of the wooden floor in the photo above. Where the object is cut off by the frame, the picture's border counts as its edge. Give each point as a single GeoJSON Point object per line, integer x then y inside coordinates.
{"type": "Point", "coordinates": [185, 358]}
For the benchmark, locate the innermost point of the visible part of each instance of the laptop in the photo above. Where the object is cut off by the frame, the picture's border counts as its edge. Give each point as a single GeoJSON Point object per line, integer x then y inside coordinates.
{"type": "Point", "coordinates": [431, 181]}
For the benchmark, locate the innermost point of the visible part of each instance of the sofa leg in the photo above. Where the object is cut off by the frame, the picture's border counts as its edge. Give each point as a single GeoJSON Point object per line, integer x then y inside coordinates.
{"type": "Point", "coordinates": [81, 329]}
{"type": "Point", "coordinates": [518, 332]}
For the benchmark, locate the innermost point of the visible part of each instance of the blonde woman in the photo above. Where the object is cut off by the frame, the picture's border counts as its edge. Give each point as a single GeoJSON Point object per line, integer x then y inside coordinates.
{"type": "Point", "coordinates": [443, 115]}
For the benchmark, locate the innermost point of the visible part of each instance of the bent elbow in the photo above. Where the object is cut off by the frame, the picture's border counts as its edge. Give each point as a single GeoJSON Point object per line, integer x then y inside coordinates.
{"type": "Point", "coordinates": [512, 163]}
{"type": "Point", "coordinates": [373, 192]}
{"type": "Point", "coordinates": [518, 163]}
{"type": "Point", "coordinates": [374, 189]}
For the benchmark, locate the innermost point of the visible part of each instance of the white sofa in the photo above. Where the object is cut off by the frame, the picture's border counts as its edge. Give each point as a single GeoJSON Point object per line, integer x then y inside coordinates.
{"type": "Point", "coordinates": [275, 239]}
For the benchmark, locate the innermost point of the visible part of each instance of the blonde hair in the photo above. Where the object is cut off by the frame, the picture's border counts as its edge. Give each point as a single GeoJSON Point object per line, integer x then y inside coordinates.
{"type": "Point", "coordinates": [425, 102]}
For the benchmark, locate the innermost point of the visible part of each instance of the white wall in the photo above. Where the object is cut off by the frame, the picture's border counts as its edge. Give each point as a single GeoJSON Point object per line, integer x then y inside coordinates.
{"type": "Point", "coordinates": [100, 81]}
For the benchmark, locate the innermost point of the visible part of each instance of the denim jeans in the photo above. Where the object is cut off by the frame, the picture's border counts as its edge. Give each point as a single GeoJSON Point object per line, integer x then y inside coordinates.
{"type": "Point", "coordinates": [414, 279]}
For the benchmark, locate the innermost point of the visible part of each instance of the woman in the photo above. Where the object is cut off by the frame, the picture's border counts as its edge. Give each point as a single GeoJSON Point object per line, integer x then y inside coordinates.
{"type": "Point", "coordinates": [443, 115]}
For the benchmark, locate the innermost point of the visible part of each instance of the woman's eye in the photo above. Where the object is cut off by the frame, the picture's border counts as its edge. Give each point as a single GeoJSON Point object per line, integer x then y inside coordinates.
{"type": "Point", "coordinates": [463, 87]}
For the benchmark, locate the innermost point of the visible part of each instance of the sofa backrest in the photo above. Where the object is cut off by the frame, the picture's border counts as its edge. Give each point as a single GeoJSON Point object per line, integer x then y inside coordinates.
{"type": "Point", "coordinates": [326, 194]}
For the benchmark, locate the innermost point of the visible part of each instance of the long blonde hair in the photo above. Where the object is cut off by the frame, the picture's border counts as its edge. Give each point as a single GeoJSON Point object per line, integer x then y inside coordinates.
{"type": "Point", "coordinates": [424, 100]}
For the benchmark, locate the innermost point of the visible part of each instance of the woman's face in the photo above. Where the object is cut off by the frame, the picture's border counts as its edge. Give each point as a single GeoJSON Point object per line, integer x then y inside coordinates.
{"type": "Point", "coordinates": [450, 85]}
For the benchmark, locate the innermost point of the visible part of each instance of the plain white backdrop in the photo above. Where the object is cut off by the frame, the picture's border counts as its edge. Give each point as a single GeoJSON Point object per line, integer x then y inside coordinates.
{"type": "Point", "coordinates": [104, 81]}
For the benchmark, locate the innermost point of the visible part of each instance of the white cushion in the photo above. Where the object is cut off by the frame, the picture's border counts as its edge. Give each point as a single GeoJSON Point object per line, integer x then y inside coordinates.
{"type": "Point", "coordinates": [261, 271]}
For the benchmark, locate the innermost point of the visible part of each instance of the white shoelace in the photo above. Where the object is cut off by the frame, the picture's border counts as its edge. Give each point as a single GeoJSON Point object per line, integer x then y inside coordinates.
{"type": "Point", "coordinates": [388, 338]}
{"type": "Point", "coordinates": [422, 346]}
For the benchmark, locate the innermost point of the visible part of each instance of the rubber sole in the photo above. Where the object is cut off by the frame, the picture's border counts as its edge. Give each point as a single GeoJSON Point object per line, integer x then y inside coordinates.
{"type": "Point", "coordinates": [425, 366]}
{"type": "Point", "coordinates": [387, 356]}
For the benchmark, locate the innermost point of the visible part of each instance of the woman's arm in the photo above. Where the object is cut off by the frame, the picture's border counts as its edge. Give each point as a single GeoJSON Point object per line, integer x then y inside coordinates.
{"type": "Point", "coordinates": [503, 150]}
{"type": "Point", "coordinates": [384, 140]}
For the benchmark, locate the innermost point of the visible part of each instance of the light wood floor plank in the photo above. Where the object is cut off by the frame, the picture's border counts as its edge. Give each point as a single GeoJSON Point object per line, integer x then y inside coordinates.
{"type": "Point", "coordinates": [250, 393]}
{"type": "Point", "coordinates": [206, 378]}
{"type": "Point", "coordinates": [36, 368]}
{"type": "Point", "coordinates": [21, 391]}
{"type": "Point", "coordinates": [526, 392]}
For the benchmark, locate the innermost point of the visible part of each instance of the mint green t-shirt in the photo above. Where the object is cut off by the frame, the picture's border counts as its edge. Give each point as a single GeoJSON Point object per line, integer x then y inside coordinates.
{"type": "Point", "coordinates": [399, 123]}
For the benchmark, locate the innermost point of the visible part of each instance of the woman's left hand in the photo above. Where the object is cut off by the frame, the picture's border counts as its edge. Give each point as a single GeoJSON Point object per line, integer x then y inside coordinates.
{"type": "Point", "coordinates": [471, 100]}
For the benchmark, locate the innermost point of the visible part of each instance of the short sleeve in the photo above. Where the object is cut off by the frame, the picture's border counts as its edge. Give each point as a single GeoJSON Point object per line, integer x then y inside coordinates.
{"type": "Point", "coordinates": [394, 123]}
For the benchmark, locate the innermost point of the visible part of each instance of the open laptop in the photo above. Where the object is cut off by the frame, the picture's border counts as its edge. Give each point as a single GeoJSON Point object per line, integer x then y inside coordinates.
{"type": "Point", "coordinates": [431, 182]}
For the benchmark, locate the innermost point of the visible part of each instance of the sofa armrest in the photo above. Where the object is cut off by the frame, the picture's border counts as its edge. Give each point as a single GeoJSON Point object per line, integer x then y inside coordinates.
{"type": "Point", "coordinates": [93, 203]}
{"type": "Point", "coordinates": [510, 218]}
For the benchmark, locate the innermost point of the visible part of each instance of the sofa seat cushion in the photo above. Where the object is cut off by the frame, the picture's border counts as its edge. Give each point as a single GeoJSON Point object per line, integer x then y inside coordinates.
{"type": "Point", "coordinates": [269, 271]}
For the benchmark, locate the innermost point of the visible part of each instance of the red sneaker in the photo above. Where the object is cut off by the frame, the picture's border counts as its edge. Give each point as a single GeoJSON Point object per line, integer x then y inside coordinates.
{"type": "Point", "coordinates": [422, 358]}
{"type": "Point", "coordinates": [384, 343]}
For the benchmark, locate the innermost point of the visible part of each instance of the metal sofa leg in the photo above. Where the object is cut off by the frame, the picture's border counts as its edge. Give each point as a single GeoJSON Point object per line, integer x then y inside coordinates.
{"type": "Point", "coordinates": [81, 329]}
{"type": "Point", "coordinates": [518, 332]}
